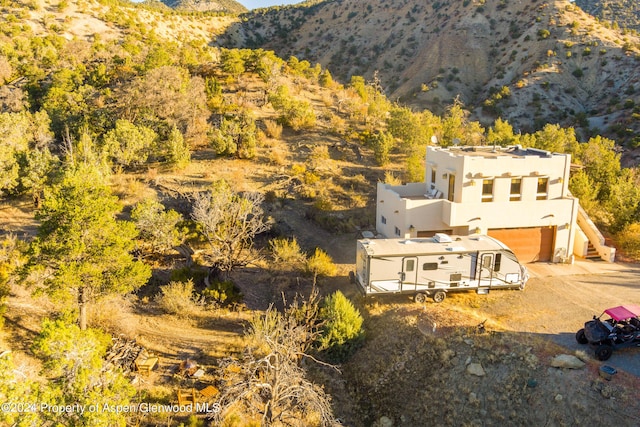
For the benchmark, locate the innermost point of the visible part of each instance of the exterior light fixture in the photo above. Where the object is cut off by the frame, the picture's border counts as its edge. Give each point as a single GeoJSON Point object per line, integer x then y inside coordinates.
{"type": "Point", "coordinates": [412, 228]}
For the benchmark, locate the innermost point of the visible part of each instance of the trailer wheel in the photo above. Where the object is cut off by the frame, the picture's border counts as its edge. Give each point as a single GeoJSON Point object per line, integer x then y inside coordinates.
{"type": "Point", "coordinates": [604, 352]}
{"type": "Point", "coordinates": [439, 296]}
{"type": "Point", "coordinates": [420, 298]}
{"type": "Point", "coordinates": [581, 337]}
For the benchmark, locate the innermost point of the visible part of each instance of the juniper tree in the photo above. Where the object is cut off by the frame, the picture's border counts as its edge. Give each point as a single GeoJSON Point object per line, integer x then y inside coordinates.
{"type": "Point", "coordinates": [82, 252]}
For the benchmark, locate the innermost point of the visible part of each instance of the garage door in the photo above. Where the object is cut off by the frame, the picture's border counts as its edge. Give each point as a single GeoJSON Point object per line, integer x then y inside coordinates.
{"type": "Point", "coordinates": [529, 244]}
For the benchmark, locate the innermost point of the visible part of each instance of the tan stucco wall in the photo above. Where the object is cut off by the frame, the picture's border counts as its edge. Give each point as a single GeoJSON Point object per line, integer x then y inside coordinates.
{"type": "Point", "coordinates": [405, 206]}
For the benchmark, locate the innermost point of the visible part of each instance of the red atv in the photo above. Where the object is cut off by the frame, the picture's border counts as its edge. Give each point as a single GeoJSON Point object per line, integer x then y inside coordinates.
{"type": "Point", "coordinates": [620, 330]}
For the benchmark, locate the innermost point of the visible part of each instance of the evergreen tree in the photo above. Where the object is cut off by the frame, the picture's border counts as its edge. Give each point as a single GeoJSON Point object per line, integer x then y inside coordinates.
{"type": "Point", "coordinates": [74, 359]}
{"type": "Point", "coordinates": [342, 331]}
{"type": "Point", "coordinates": [82, 252]}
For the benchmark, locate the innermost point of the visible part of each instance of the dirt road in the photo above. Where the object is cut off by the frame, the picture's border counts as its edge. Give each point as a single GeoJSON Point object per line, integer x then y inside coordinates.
{"type": "Point", "coordinates": [558, 300]}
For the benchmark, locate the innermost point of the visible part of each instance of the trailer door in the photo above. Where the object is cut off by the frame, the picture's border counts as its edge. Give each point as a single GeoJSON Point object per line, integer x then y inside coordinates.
{"type": "Point", "coordinates": [409, 274]}
{"type": "Point", "coordinates": [485, 268]}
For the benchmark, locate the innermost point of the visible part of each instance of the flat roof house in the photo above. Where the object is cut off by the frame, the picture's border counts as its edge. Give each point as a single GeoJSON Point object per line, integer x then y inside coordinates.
{"type": "Point", "coordinates": [519, 196]}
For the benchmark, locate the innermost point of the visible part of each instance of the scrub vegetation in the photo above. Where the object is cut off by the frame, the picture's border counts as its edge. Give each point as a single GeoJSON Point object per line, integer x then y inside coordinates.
{"type": "Point", "coordinates": [204, 201]}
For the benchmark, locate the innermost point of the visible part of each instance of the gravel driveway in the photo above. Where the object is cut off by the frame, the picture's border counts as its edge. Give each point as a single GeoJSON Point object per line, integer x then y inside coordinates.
{"type": "Point", "coordinates": [558, 300]}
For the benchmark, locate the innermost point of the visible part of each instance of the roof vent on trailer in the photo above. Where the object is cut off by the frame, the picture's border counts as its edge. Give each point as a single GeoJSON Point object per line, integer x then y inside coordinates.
{"type": "Point", "coordinates": [442, 238]}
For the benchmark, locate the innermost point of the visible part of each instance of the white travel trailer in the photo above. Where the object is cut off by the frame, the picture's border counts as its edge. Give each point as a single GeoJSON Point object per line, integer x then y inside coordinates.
{"type": "Point", "coordinates": [436, 265]}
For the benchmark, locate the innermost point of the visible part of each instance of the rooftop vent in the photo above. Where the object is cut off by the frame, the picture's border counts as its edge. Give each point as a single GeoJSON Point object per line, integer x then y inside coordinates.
{"type": "Point", "coordinates": [442, 238]}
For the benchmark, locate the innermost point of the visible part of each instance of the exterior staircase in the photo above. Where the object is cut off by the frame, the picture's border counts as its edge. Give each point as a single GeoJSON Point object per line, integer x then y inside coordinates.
{"type": "Point", "coordinates": [593, 240]}
{"type": "Point", "coordinates": [592, 253]}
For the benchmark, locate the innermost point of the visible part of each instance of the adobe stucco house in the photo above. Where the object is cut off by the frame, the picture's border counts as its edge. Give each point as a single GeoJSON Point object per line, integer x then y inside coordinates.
{"type": "Point", "coordinates": [520, 196]}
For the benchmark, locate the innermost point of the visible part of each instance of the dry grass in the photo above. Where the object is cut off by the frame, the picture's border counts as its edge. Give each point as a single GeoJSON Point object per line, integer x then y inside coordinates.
{"type": "Point", "coordinates": [279, 153]}
{"type": "Point", "coordinates": [178, 298]}
{"type": "Point", "coordinates": [112, 314]}
{"type": "Point", "coordinates": [130, 189]}
{"type": "Point", "coordinates": [273, 129]}
{"type": "Point", "coordinates": [16, 216]}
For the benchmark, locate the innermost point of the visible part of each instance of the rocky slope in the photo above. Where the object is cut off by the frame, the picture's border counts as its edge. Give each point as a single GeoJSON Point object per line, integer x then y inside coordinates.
{"type": "Point", "coordinates": [530, 62]}
{"type": "Point", "coordinates": [625, 13]}
{"type": "Point", "coordinates": [224, 6]}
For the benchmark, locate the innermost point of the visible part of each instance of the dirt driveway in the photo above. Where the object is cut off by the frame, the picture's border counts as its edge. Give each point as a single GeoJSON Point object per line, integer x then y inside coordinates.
{"type": "Point", "coordinates": [558, 300]}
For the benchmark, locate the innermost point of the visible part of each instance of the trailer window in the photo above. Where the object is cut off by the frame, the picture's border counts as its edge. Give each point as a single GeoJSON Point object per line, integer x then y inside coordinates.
{"type": "Point", "coordinates": [496, 264]}
{"type": "Point", "coordinates": [430, 266]}
{"type": "Point", "coordinates": [486, 261]}
{"type": "Point", "coordinates": [409, 265]}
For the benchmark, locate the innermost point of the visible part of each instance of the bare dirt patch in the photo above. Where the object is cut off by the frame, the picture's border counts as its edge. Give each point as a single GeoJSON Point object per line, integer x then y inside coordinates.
{"type": "Point", "coordinates": [16, 217]}
{"type": "Point", "coordinates": [416, 379]}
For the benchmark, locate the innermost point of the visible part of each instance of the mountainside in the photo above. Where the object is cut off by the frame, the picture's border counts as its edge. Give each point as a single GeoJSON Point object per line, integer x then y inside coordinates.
{"type": "Point", "coordinates": [528, 62]}
{"type": "Point", "coordinates": [624, 13]}
{"type": "Point", "coordinates": [226, 6]}
{"type": "Point", "coordinates": [91, 19]}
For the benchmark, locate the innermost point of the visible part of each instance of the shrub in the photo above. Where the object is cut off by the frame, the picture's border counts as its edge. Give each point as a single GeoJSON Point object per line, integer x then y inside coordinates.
{"type": "Point", "coordinates": [286, 254]}
{"type": "Point", "coordinates": [273, 129]}
{"type": "Point", "coordinates": [178, 154]}
{"type": "Point", "coordinates": [342, 332]}
{"type": "Point", "coordinates": [223, 292]}
{"type": "Point", "coordinates": [177, 298]}
{"type": "Point", "coordinates": [320, 153]}
{"type": "Point", "coordinates": [185, 274]}
{"type": "Point", "coordinates": [629, 240]}
{"type": "Point", "coordinates": [414, 168]}
{"type": "Point", "coordinates": [543, 34]}
{"type": "Point", "coordinates": [279, 154]}
{"type": "Point", "coordinates": [321, 264]}
{"type": "Point", "coordinates": [293, 113]}
{"type": "Point", "coordinates": [381, 143]}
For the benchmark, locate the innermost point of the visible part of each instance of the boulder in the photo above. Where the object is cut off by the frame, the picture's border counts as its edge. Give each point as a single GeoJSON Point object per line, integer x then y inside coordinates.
{"type": "Point", "coordinates": [385, 422]}
{"type": "Point", "coordinates": [567, 361]}
{"type": "Point", "coordinates": [476, 369]}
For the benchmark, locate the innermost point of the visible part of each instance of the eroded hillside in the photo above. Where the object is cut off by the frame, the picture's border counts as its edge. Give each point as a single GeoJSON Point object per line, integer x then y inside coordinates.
{"type": "Point", "coordinates": [529, 62]}
{"type": "Point", "coordinates": [621, 13]}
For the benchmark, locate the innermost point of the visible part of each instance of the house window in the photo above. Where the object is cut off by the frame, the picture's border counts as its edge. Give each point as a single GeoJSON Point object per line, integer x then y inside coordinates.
{"type": "Point", "coordinates": [433, 177]}
{"type": "Point", "coordinates": [516, 189]}
{"type": "Point", "coordinates": [397, 231]}
{"type": "Point", "coordinates": [487, 190]}
{"type": "Point", "coordinates": [383, 219]}
{"type": "Point", "coordinates": [452, 187]}
{"type": "Point", "coordinates": [543, 188]}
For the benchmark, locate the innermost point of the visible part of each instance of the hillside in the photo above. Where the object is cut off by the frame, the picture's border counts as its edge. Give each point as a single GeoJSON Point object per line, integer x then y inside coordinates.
{"type": "Point", "coordinates": [622, 13]}
{"type": "Point", "coordinates": [225, 6]}
{"type": "Point", "coordinates": [557, 63]}
{"type": "Point", "coordinates": [119, 122]}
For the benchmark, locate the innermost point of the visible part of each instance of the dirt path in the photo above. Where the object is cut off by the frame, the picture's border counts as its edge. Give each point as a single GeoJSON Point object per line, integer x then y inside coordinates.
{"type": "Point", "coordinates": [341, 247]}
{"type": "Point", "coordinates": [556, 303]}
{"type": "Point", "coordinates": [176, 339]}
